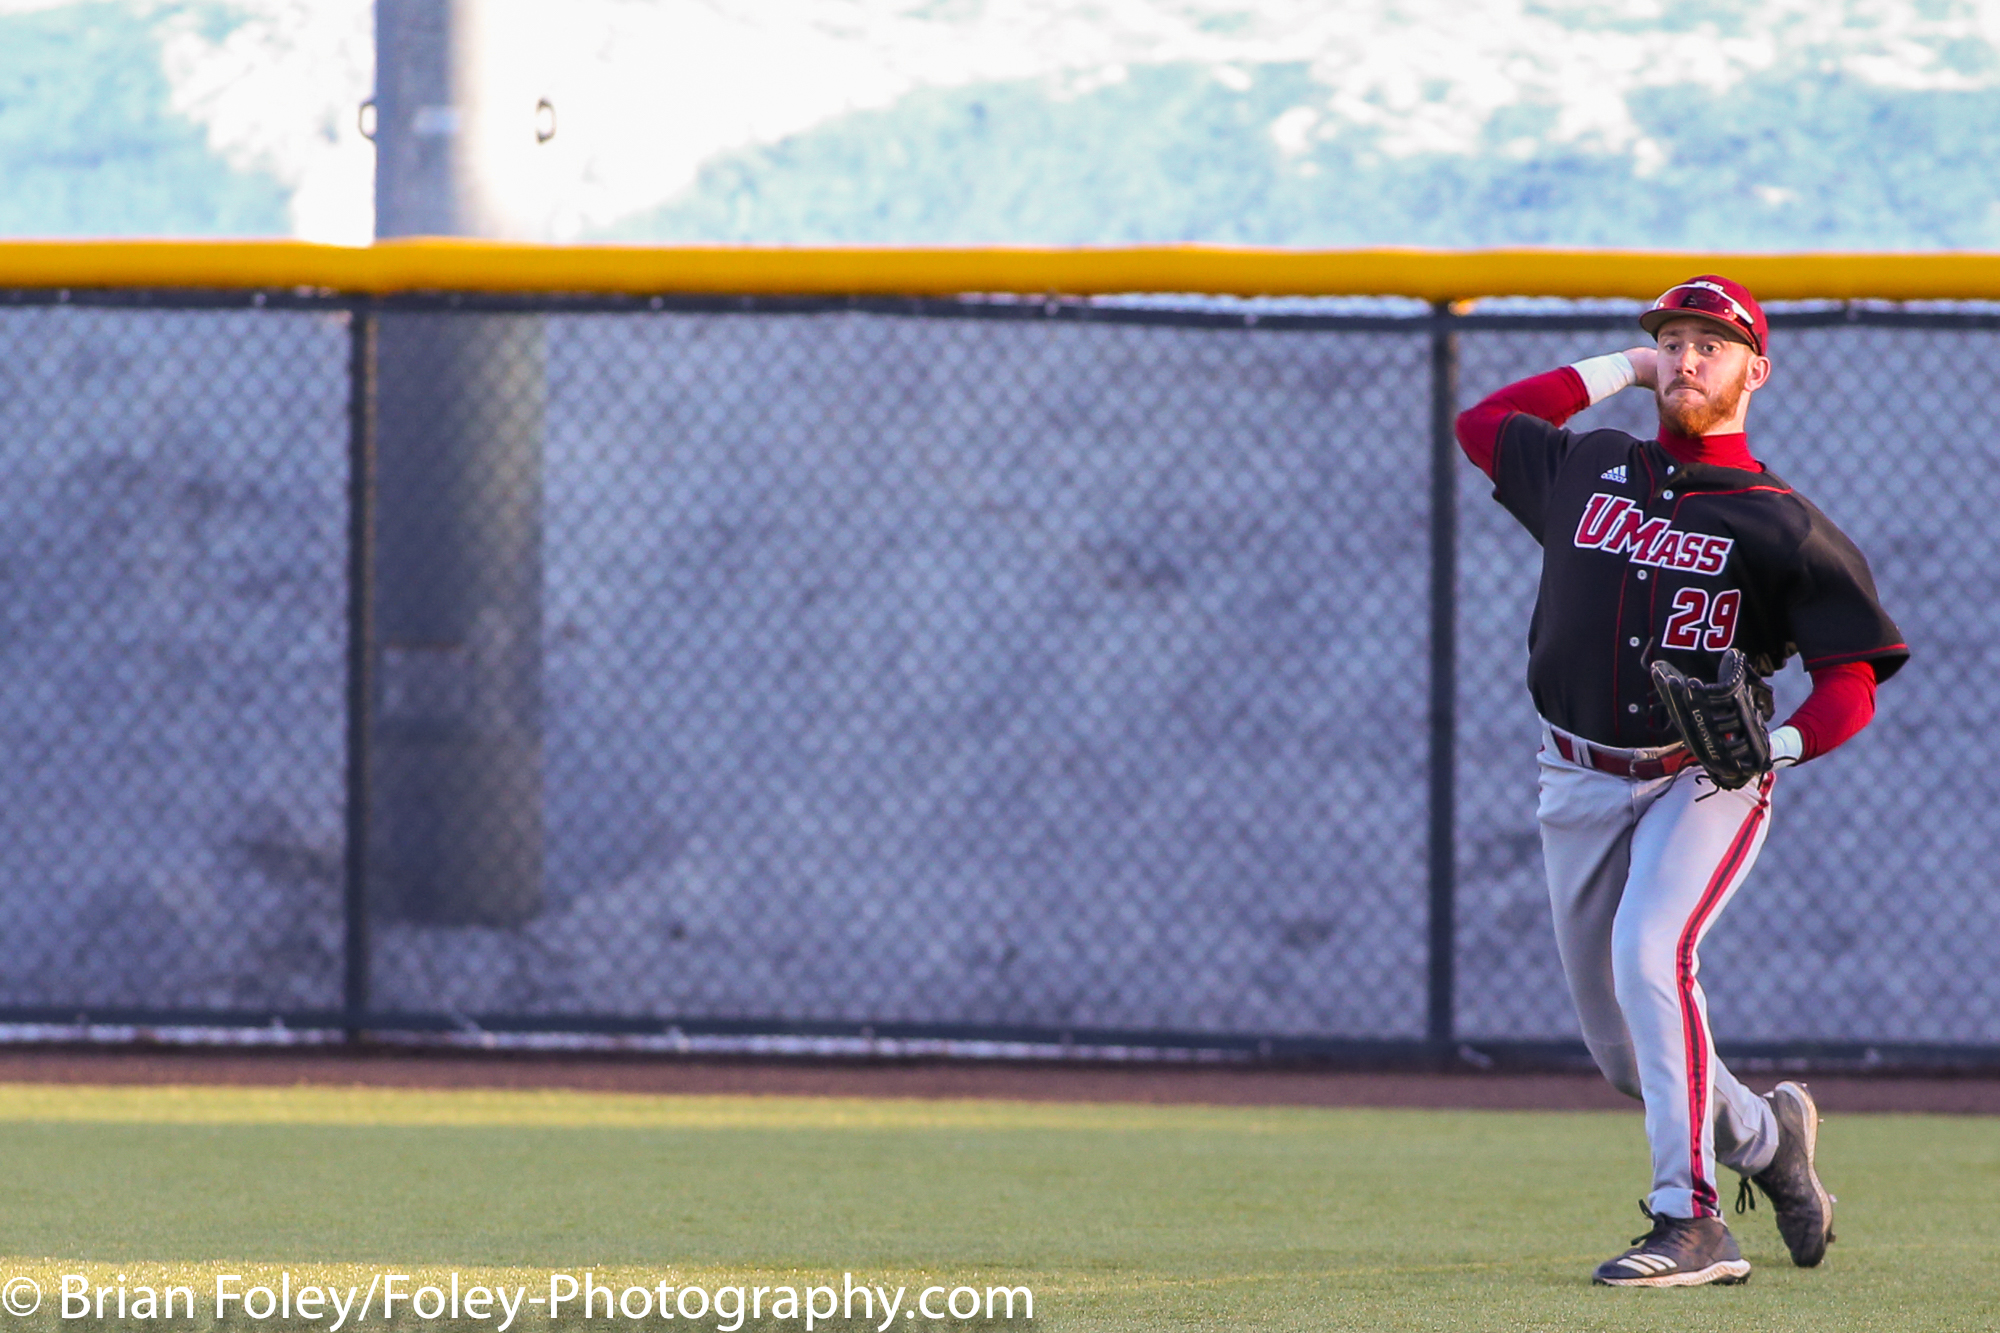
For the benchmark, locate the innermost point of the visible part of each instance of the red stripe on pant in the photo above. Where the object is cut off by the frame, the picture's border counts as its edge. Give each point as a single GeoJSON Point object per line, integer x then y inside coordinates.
{"type": "Point", "coordinates": [1695, 1047]}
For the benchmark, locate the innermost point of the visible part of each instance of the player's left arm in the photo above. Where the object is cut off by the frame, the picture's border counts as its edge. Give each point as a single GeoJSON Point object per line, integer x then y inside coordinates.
{"type": "Point", "coordinates": [1842, 702]}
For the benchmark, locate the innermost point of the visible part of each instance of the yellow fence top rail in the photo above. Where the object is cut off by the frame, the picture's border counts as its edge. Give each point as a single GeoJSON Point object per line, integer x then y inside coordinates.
{"type": "Point", "coordinates": [1432, 275]}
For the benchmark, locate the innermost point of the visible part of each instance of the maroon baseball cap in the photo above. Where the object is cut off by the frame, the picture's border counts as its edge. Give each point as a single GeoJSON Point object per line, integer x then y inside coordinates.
{"type": "Point", "coordinates": [1717, 300]}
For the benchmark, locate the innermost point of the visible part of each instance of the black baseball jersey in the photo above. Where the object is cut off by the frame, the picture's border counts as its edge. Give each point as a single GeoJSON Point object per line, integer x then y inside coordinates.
{"type": "Point", "coordinates": [1645, 557]}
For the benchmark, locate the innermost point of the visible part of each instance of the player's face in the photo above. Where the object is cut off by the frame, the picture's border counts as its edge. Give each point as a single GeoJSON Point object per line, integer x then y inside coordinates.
{"type": "Point", "coordinates": [1703, 376]}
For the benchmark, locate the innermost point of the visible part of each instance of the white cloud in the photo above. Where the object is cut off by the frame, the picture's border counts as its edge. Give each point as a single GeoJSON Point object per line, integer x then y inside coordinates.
{"type": "Point", "coordinates": [1293, 131]}
{"type": "Point", "coordinates": [647, 90]}
{"type": "Point", "coordinates": [281, 93]}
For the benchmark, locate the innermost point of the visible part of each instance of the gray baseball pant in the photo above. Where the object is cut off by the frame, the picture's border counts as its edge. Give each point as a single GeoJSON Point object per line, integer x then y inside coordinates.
{"type": "Point", "coordinates": [1639, 870]}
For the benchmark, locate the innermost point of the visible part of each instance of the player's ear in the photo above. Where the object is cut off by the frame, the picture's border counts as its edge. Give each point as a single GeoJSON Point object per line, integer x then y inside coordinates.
{"type": "Point", "coordinates": [1758, 375]}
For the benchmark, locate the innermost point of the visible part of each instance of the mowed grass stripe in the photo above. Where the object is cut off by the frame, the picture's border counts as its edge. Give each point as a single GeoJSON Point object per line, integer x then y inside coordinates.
{"type": "Point", "coordinates": [564, 1109]}
{"type": "Point", "coordinates": [1119, 1216]}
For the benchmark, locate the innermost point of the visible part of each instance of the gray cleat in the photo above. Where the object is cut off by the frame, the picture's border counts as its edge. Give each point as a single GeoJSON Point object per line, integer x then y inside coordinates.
{"type": "Point", "coordinates": [1677, 1252]}
{"type": "Point", "coordinates": [1804, 1208]}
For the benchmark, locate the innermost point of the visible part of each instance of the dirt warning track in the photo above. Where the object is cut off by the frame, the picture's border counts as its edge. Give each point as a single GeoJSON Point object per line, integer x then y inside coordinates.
{"type": "Point", "coordinates": [1066, 1081]}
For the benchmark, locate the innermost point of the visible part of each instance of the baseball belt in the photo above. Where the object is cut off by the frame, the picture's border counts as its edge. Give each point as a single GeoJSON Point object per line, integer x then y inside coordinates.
{"type": "Point", "coordinates": [1620, 763]}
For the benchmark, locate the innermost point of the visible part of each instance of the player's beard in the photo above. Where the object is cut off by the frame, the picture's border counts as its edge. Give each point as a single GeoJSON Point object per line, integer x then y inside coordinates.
{"type": "Point", "coordinates": [1695, 417]}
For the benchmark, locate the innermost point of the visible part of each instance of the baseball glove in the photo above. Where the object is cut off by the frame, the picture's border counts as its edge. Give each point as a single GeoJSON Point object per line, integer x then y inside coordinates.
{"type": "Point", "coordinates": [1723, 723]}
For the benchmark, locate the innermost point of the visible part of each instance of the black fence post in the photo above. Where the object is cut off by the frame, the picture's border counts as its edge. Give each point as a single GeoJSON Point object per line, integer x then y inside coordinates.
{"type": "Point", "coordinates": [1443, 677]}
{"type": "Point", "coordinates": [360, 658]}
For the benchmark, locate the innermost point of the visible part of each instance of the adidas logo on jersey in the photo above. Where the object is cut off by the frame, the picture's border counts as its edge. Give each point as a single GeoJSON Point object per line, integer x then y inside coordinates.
{"type": "Point", "coordinates": [1616, 474]}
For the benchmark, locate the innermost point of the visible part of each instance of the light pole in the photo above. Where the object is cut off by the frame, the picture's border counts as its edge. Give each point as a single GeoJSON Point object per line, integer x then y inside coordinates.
{"type": "Point", "coordinates": [456, 824]}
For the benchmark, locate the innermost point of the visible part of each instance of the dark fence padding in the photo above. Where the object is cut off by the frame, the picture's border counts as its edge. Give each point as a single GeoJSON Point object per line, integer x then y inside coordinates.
{"type": "Point", "coordinates": [922, 668]}
{"type": "Point", "coordinates": [1872, 914]}
{"type": "Point", "coordinates": [972, 672]}
{"type": "Point", "coordinates": [173, 550]}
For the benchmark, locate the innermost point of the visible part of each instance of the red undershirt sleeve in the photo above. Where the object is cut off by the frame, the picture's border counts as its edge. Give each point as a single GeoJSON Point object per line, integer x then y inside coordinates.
{"type": "Point", "coordinates": [1842, 702]}
{"type": "Point", "coordinates": [1555, 396]}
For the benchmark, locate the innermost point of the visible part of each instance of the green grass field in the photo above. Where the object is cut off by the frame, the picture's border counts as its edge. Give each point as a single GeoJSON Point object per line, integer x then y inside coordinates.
{"type": "Point", "coordinates": [1117, 1217]}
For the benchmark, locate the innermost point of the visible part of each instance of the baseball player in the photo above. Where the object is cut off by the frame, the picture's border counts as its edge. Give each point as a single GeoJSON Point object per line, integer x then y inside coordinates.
{"type": "Point", "coordinates": [1668, 563]}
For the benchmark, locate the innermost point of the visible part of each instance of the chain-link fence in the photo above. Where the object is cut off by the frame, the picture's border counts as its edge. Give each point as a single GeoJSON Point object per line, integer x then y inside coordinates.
{"type": "Point", "coordinates": [949, 668]}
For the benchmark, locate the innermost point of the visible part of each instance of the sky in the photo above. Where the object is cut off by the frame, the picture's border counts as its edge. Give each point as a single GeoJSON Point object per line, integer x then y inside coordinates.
{"type": "Point", "coordinates": [648, 91]}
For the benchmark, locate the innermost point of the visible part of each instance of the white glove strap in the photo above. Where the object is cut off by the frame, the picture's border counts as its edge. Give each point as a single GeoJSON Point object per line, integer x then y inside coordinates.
{"type": "Point", "coordinates": [1788, 747]}
{"type": "Point", "coordinates": [1606, 375]}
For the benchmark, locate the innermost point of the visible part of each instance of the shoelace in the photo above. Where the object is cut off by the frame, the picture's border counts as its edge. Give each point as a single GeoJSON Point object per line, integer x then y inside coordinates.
{"type": "Point", "coordinates": [1659, 1224]}
{"type": "Point", "coordinates": [1746, 1198]}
